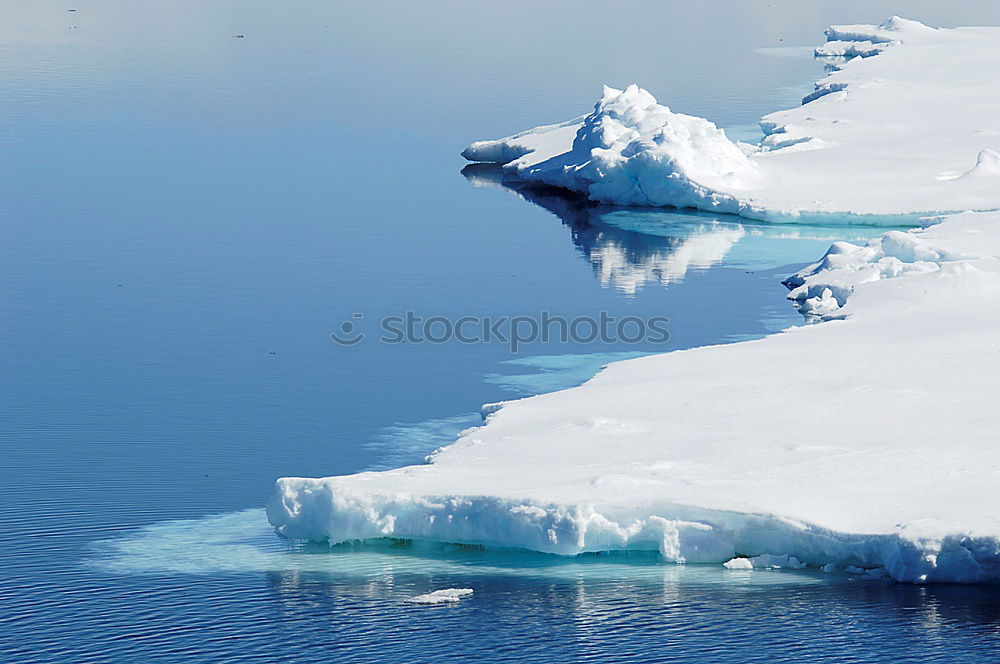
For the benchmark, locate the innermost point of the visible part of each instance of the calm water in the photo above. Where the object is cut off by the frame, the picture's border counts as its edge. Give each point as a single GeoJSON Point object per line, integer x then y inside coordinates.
{"type": "Point", "coordinates": [195, 195]}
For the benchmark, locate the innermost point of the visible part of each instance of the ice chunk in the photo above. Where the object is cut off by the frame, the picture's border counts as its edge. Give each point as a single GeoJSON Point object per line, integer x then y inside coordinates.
{"type": "Point", "coordinates": [738, 563]}
{"type": "Point", "coordinates": [446, 596]}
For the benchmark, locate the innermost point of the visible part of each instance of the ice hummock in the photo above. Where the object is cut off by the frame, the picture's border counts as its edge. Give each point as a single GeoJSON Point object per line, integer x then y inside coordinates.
{"type": "Point", "coordinates": [866, 445]}
{"type": "Point", "coordinates": [629, 151]}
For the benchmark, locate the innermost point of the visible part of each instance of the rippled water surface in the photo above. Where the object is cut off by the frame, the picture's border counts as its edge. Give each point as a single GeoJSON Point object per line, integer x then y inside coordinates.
{"type": "Point", "coordinates": [195, 195]}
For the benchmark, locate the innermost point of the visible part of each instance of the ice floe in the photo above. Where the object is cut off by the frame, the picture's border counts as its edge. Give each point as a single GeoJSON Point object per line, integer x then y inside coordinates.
{"type": "Point", "coordinates": [867, 444]}
{"type": "Point", "coordinates": [878, 137]}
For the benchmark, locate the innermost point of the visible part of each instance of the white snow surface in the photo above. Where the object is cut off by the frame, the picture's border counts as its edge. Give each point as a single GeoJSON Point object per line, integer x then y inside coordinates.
{"type": "Point", "coordinates": [887, 135]}
{"type": "Point", "coordinates": [869, 443]}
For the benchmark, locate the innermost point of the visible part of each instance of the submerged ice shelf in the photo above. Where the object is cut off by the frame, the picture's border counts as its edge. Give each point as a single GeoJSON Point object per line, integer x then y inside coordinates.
{"type": "Point", "coordinates": [866, 443]}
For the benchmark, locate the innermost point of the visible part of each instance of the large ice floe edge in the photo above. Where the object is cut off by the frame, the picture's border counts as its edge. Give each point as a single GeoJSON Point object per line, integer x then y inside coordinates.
{"type": "Point", "coordinates": [913, 131]}
{"type": "Point", "coordinates": [868, 444]}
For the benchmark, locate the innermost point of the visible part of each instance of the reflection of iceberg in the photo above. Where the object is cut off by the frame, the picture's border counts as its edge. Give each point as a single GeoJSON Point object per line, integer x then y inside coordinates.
{"type": "Point", "coordinates": [624, 259]}
{"type": "Point", "coordinates": [631, 247]}
{"type": "Point", "coordinates": [612, 260]}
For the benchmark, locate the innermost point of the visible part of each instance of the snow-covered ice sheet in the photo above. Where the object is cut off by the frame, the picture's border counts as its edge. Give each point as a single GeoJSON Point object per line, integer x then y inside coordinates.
{"type": "Point", "coordinates": [914, 130]}
{"type": "Point", "coordinates": [869, 443]}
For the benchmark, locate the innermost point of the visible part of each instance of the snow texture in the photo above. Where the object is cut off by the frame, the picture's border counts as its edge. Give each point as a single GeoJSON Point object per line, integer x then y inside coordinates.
{"type": "Point", "coordinates": [848, 152]}
{"type": "Point", "coordinates": [865, 445]}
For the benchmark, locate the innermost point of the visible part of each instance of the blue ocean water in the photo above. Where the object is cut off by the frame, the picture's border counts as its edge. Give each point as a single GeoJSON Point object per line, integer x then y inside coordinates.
{"type": "Point", "coordinates": [195, 195]}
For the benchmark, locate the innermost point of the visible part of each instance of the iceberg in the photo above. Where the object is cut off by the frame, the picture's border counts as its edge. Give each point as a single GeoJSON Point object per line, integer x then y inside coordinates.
{"type": "Point", "coordinates": [867, 444]}
{"type": "Point", "coordinates": [850, 150]}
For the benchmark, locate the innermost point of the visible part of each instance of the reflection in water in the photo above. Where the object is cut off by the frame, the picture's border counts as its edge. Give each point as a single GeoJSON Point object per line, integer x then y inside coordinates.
{"type": "Point", "coordinates": [616, 609]}
{"type": "Point", "coordinates": [616, 266]}
{"type": "Point", "coordinates": [681, 615]}
{"type": "Point", "coordinates": [393, 570]}
{"type": "Point", "coordinates": [630, 248]}
{"type": "Point", "coordinates": [622, 259]}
